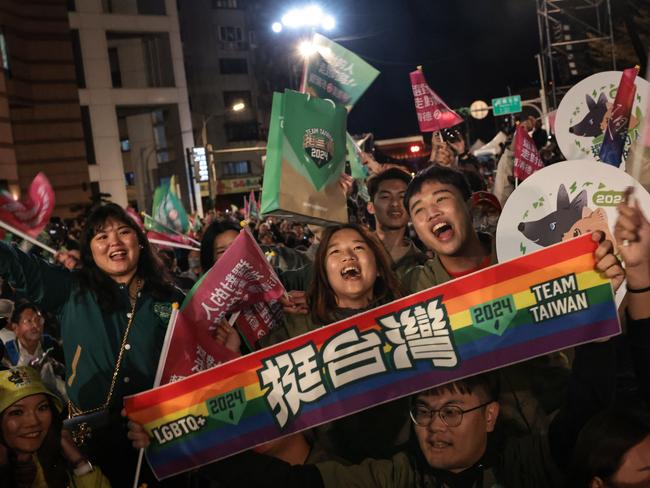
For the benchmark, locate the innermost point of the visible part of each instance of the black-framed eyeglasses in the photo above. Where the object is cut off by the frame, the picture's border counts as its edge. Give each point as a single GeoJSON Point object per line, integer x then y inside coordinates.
{"type": "Point", "coordinates": [451, 415]}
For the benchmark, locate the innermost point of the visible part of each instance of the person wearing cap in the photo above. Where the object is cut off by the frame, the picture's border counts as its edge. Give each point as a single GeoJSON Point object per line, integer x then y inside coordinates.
{"type": "Point", "coordinates": [34, 451]}
{"type": "Point", "coordinates": [6, 309]}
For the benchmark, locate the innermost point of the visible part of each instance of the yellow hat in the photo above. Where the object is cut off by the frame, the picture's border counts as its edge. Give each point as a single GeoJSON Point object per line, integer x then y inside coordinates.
{"type": "Point", "coordinates": [18, 383]}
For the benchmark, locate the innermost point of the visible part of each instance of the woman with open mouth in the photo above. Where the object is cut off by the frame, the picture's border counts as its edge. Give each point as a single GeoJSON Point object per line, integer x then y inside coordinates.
{"type": "Point", "coordinates": [352, 273]}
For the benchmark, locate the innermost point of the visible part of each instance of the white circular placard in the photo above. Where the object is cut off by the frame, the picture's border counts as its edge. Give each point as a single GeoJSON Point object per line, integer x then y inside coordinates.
{"type": "Point", "coordinates": [579, 124]}
{"type": "Point", "coordinates": [562, 201]}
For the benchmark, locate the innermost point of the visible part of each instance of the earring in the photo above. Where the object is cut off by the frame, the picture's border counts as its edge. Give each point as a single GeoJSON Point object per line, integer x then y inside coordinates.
{"type": "Point", "coordinates": [141, 246]}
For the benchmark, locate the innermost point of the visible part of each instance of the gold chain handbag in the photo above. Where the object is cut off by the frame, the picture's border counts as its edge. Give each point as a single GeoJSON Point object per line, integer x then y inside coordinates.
{"type": "Point", "coordinates": [81, 423]}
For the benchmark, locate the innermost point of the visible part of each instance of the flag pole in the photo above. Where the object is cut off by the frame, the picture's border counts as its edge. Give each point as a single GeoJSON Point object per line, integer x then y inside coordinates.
{"type": "Point", "coordinates": [159, 371]}
{"type": "Point", "coordinates": [28, 238]}
{"type": "Point", "coordinates": [160, 242]}
{"type": "Point", "coordinates": [170, 229]}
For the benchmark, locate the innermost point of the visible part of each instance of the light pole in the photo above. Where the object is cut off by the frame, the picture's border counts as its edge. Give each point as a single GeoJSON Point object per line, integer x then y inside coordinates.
{"type": "Point", "coordinates": [309, 17]}
{"type": "Point", "coordinates": [205, 118]}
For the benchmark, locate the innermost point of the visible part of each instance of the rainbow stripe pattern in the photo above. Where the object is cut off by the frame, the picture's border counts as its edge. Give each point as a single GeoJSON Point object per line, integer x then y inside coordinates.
{"type": "Point", "coordinates": [510, 312]}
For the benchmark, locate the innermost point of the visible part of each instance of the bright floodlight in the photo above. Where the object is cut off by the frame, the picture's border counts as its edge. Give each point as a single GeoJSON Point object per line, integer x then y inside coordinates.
{"type": "Point", "coordinates": [312, 15]}
{"type": "Point", "coordinates": [276, 27]}
{"type": "Point", "coordinates": [306, 49]}
{"type": "Point", "coordinates": [309, 16]}
{"type": "Point", "coordinates": [328, 22]}
{"type": "Point", "coordinates": [238, 107]}
{"type": "Point", "coordinates": [292, 19]}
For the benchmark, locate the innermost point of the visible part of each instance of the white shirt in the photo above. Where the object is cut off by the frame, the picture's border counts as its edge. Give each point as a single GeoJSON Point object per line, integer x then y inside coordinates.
{"type": "Point", "coordinates": [6, 335]}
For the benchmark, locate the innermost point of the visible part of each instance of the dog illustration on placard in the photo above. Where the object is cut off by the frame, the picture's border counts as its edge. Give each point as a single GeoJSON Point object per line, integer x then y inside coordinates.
{"type": "Point", "coordinates": [590, 222]}
{"type": "Point", "coordinates": [551, 228]}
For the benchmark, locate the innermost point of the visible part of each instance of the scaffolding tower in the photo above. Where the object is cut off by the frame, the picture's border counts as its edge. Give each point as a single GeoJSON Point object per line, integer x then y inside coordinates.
{"type": "Point", "coordinates": [566, 29]}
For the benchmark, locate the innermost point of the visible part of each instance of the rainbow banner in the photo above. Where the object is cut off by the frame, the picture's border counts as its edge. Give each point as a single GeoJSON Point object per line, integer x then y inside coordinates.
{"type": "Point", "coordinates": [533, 305]}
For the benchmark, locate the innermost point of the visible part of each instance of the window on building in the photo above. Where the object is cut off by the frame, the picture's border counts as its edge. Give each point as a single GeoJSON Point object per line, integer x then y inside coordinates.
{"type": "Point", "coordinates": [114, 62]}
{"type": "Point", "coordinates": [236, 168]}
{"type": "Point", "coordinates": [233, 66]}
{"type": "Point", "coordinates": [226, 3]}
{"type": "Point", "coordinates": [88, 135]}
{"type": "Point", "coordinates": [230, 33]}
{"type": "Point", "coordinates": [140, 60]}
{"type": "Point", "coordinates": [134, 7]}
{"type": "Point", "coordinates": [78, 59]}
{"type": "Point", "coordinates": [242, 131]}
{"type": "Point", "coordinates": [232, 97]}
{"type": "Point", "coordinates": [232, 39]}
{"type": "Point", "coordinates": [4, 52]}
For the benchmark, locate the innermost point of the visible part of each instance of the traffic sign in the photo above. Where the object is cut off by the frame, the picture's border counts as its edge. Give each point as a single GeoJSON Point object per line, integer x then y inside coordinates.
{"type": "Point", "coordinates": [506, 105]}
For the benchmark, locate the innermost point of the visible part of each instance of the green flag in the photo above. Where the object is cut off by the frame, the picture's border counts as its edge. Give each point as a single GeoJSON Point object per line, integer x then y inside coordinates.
{"type": "Point", "coordinates": [167, 212]}
{"type": "Point", "coordinates": [338, 74]}
{"type": "Point", "coordinates": [359, 171]}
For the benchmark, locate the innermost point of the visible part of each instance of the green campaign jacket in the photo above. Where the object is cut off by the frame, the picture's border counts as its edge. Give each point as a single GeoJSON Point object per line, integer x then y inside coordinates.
{"type": "Point", "coordinates": [91, 337]}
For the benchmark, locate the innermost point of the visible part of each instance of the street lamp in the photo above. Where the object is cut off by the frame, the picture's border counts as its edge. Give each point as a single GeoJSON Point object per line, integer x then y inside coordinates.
{"type": "Point", "coordinates": [237, 107]}
{"type": "Point", "coordinates": [311, 16]}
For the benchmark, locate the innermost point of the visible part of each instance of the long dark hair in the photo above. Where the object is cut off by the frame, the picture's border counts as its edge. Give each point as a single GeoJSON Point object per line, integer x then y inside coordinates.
{"type": "Point", "coordinates": [49, 455]}
{"type": "Point", "coordinates": [207, 242]}
{"type": "Point", "coordinates": [150, 268]}
{"type": "Point", "coordinates": [603, 442]}
{"type": "Point", "coordinates": [320, 294]}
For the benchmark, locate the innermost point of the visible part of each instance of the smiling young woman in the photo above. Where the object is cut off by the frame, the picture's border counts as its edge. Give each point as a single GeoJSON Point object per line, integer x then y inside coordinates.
{"type": "Point", "coordinates": [33, 450]}
{"type": "Point", "coordinates": [116, 306]}
{"type": "Point", "coordinates": [352, 273]}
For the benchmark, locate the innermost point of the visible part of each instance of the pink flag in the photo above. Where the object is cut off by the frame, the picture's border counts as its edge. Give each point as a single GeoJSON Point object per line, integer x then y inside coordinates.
{"type": "Point", "coordinates": [173, 238]}
{"type": "Point", "coordinates": [247, 210]}
{"type": "Point", "coordinates": [240, 279]}
{"type": "Point", "coordinates": [433, 113]}
{"type": "Point", "coordinates": [527, 158]}
{"type": "Point", "coordinates": [135, 216]}
{"type": "Point", "coordinates": [255, 322]}
{"type": "Point", "coordinates": [31, 214]}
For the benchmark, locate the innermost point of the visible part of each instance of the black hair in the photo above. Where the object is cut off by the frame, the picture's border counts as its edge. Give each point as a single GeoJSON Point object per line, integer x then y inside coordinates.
{"type": "Point", "coordinates": [485, 385]}
{"type": "Point", "coordinates": [150, 268]}
{"type": "Point", "coordinates": [440, 174]}
{"type": "Point", "coordinates": [50, 454]}
{"type": "Point", "coordinates": [207, 242]}
{"type": "Point", "coordinates": [603, 442]}
{"type": "Point", "coordinates": [20, 307]}
{"type": "Point", "coordinates": [389, 174]}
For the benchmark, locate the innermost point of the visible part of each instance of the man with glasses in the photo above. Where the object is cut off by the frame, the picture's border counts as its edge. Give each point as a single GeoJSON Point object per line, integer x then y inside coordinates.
{"type": "Point", "coordinates": [30, 343]}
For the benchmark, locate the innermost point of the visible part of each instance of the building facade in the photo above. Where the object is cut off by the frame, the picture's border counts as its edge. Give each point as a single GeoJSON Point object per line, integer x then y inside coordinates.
{"type": "Point", "coordinates": [41, 122]}
{"type": "Point", "coordinates": [133, 91]}
{"type": "Point", "coordinates": [220, 44]}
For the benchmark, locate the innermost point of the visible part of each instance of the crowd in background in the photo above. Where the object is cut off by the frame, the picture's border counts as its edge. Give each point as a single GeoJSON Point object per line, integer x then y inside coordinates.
{"type": "Point", "coordinates": [572, 418]}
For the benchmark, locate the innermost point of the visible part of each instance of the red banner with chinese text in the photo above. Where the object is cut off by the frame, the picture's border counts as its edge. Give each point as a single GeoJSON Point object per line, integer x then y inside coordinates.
{"type": "Point", "coordinates": [433, 113]}
{"type": "Point", "coordinates": [241, 278]}
{"type": "Point", "coordinates": [527, 158]}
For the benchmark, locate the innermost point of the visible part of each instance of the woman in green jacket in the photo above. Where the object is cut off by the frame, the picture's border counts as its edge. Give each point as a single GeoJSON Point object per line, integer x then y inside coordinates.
{"type": "Point", "coordinates": [113, 315]}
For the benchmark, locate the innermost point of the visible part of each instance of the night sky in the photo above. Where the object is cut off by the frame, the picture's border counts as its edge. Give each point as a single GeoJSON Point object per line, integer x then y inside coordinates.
{"type": "Point", "coordinates": [470, 49]}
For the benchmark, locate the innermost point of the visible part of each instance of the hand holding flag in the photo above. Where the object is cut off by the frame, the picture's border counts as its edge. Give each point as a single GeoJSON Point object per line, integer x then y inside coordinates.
{"type": "Point", "coordinates": [31, 214]}
{"type": "Point", "coordinates": [240, 279]}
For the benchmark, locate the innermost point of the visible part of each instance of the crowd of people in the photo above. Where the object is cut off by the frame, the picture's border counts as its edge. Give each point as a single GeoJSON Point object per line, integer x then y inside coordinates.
{"type": "Point", "coordinates": [84, 330]}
